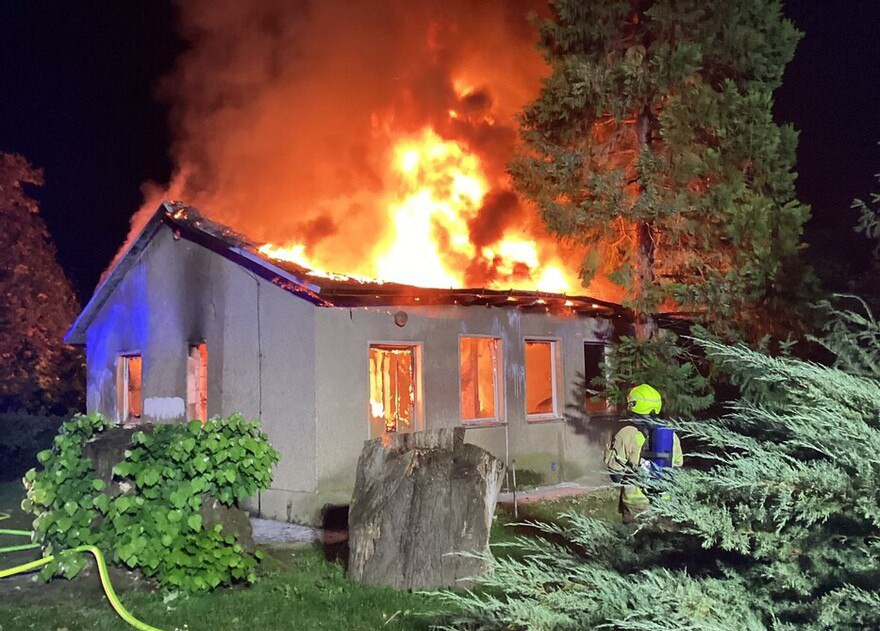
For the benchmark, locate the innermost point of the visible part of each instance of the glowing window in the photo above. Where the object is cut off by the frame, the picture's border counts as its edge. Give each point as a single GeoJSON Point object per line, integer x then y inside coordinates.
{"type": "Point", "coordinates": [197, 383]}
{"type": "Point", "coordinates": [541, 378]}
{"type": "Point", "coordinates": [128, 388]}
{"type": "Point", "coordinates": [480, 366]}
{"type": "Point", "coordinates": [394, 389]}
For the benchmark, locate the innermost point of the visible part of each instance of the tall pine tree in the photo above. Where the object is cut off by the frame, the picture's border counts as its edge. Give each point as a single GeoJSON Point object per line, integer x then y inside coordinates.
{"type": "Point", "coordinates": [652, 143]}
{"type": "Point", "coordinates": [37, 371]}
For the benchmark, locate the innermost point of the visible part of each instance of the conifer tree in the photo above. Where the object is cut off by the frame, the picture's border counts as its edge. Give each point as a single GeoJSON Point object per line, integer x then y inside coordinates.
{"type": "Point", "coordinates": [868, 224]}
{"type": "Point", "coordinates": [666, 364]}
{"type": "Point", "coordinates": [652, 143]}
{"type": "Point", "coordinates": [37, 372]}
{"type": "Point", "coordinates": [869, 217]}
{"type": "Point", "coordinates": [778, 531]}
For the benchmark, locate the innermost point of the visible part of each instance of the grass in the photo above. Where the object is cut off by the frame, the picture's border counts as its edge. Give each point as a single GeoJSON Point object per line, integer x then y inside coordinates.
{"type": "Point", "coordinates": [601, 504]}
{"type": "Point", "coordinates": [298, 589]}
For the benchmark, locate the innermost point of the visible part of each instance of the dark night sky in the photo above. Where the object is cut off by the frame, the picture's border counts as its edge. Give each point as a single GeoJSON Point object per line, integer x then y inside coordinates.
{"type": "Point", "coordinates": [77, 97]}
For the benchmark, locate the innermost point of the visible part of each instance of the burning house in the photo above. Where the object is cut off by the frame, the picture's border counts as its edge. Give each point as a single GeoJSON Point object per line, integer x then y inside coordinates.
{"type": "Point", "coordinates": [371, 139]}
{"type": "Point", "coordinates": [193, 320]}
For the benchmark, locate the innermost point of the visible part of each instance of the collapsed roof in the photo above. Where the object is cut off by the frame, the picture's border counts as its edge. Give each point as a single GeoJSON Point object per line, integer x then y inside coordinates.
{"type": "Point", "coordinates": [323, 290]}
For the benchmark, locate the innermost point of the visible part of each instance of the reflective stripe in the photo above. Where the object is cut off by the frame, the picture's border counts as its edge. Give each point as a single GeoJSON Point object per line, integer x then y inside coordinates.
{"type": "Point", "coordinates": [633, 495]}
{"type": "Point", "coordinates": [677, 455]}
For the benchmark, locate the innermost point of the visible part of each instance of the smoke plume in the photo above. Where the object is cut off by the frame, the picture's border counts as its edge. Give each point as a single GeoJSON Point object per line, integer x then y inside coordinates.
{"type": "Point", "coordinates": [283, 113]}
{"type": "Point", "coordinates": [285, 117]}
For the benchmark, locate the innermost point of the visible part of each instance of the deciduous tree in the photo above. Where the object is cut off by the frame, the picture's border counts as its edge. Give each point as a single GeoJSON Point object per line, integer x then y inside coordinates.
{"type": "Point", "coordinates": [37, 371]}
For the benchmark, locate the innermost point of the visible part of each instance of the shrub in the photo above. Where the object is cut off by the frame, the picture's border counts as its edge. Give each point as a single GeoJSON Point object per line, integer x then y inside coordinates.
{"type": "Point", "coordinates": [778, 531]}
{"type": "Point", "coordinates": [156, 526]}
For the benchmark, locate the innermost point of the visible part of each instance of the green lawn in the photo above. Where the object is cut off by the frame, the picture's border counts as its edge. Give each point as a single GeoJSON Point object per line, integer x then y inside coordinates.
{"type": "Point", "coordinates": [298, 589]}
{"type": "Point", "coordinates": [601, 504]}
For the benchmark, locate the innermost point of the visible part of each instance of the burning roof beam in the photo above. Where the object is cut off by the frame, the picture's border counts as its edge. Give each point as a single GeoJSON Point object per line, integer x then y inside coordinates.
{"type": "Point", "coordinates": [342, 291]}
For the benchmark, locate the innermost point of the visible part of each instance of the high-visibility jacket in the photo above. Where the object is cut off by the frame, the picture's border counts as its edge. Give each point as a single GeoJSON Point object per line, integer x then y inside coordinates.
{"type": "Point", "coordinates": [624, 454]}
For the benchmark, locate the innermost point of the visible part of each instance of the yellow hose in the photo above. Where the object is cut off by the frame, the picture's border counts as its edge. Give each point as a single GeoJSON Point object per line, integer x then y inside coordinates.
{"type": "Point", "coordinates": [26, 546]}
{"type": "Point", "coordinates": [102, 572]}
{"type": "Point", "coordinates": [18, 569]}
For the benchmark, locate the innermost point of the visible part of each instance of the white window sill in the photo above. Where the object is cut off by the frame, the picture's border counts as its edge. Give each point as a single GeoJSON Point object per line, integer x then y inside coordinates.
{"type": "Point", "coordinates": [477, 423]}
{"type": "Point", "coordinates": [544, 418]}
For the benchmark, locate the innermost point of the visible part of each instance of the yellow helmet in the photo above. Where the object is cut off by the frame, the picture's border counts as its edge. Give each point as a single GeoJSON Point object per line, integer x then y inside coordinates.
{"type": "Point", "coordinates": [644, 400]}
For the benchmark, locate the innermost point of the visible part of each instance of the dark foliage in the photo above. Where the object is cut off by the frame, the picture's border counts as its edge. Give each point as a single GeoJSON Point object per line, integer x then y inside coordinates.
{"type": "Point", "coordinates": [22, 437]}
{"type": "Point", "coordinates": [37, 371]}
{"type": "Point", "coordinates": [652, 144]}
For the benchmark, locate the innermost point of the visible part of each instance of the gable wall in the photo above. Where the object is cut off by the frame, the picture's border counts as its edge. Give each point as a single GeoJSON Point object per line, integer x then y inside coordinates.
{"type": "Point", "coordinates": [260, 344]}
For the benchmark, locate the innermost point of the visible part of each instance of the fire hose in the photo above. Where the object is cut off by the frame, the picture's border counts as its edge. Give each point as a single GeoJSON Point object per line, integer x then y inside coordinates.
{"type": "Point", "coordinates": [102, 572]}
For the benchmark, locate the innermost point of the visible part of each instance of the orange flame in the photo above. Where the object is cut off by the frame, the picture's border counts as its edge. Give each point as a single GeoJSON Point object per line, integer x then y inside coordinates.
{"type": "Point", "coordinates": [349, 150]}
{"type": "Point", "coordinates": [437, 188]}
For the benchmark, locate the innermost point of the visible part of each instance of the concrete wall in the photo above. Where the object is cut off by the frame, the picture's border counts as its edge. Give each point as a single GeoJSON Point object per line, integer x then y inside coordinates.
{"type": "Point", "coordinates": [304, 371]}
{"type": "Point", "coordinates": [260, 353]}
{"type": "Point", "coordinates": [552, 450]}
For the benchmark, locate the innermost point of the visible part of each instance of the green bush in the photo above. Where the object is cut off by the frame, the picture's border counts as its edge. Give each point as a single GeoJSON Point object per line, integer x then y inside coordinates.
{"type": "Point", "coordinates": [156, 526]}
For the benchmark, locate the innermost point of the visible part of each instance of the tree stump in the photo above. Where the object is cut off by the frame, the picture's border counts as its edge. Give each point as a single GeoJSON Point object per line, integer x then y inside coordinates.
{"type": "Point", "coordinates": [420, 500]}
{"type": "Point", "coordinates": [107, 449]}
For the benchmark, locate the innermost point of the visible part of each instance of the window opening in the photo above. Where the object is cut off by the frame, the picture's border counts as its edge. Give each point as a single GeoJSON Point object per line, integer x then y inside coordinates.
{"type": "Point", "coordinates": [540, 378]}
{"type": "Point", "coordinates": [594, 367]}
{"type": "Point", "coordinates": [393, 389]}
{"type": "Point", "coordinates": [197, 383]}
{"type": "Point", "coordinates": [128, 388]}
{"type": "Point", "coordinates": [479, 357]}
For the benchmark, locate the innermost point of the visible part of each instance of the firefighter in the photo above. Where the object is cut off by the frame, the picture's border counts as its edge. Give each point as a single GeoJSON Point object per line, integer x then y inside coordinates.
{"type": "Point", "coordinates": [624, 454]}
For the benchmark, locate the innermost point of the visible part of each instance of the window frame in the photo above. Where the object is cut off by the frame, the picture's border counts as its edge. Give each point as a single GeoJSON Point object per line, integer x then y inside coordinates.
{"type": "Point", "coordinates": [556, 382]}
{"type": "Point", "coordinates": [500, 417]}
{"type": "Point", "coordinates": [418, 390]}
{"type": "Point", "coordinates": [123, 407]}
{"type": "Point", "coordinates": [609, 407]}
{"type": "Point", "coordinates": [200, 405]}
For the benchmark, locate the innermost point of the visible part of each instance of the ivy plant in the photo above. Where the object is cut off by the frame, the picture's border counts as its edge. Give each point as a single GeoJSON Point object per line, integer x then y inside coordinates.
{"type": "Point", "coordinates": [152, 520]}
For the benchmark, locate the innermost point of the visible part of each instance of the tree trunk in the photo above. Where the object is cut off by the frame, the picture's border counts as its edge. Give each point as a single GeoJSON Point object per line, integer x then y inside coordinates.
{"type": "Point", "coordinates": [422, 510]}
{"type": "Point", "coordinates": [645, 323]}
